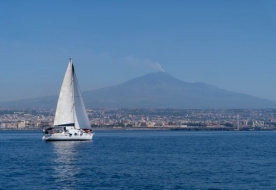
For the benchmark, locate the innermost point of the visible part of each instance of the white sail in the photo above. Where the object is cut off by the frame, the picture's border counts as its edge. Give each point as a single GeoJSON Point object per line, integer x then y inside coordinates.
{"type": "Point", "coordinates": [70, 113]}
{"type": "Point", "coordinates": [80, 115]}
{"type": "Point", "coordinates": [64, 111]}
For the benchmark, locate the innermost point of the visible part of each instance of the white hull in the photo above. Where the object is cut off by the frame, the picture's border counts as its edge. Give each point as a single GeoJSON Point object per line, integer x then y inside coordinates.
{"type": "Point", "coordinates": [68, 137]}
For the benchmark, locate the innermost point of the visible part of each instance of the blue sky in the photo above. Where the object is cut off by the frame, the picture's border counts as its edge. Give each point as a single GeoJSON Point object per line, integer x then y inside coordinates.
{"type": "Point", "coordinates": [228, 44]}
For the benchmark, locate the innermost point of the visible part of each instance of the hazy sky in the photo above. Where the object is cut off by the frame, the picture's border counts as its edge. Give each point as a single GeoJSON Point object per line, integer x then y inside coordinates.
{"type": "Point", "coordinates": [228, 44]}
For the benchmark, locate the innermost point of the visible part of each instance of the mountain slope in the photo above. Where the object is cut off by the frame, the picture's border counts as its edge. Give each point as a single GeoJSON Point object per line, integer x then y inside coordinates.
{"type": "Point", "coordinates": [161, 90]}
{"type": "Point", "coordinates": [155, 90]}
{"type": "Point", "coordinates": [46, 102]}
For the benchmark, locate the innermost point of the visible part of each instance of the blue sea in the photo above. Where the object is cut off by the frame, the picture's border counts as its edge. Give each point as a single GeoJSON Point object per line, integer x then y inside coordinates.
{"type": "Point", "coordinates": [140, 160]}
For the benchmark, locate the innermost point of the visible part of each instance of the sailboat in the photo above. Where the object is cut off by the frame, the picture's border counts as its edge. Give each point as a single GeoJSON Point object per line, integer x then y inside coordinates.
{"type": "Point", "coordinates": [71, 121]}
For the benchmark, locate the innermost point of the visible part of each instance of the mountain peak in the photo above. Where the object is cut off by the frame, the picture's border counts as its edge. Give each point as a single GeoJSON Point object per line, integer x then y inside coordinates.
{"type": "Point", "coordinates": [156, 90]}
{"type": "Point", "coordinates": [159, 77]}
{"type": "Point", "coordinates": [162, 90]}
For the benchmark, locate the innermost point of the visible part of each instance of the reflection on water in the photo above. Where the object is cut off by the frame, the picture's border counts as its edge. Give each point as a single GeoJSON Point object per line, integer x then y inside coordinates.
{"type": "Point", "coordinates": [66, 162]}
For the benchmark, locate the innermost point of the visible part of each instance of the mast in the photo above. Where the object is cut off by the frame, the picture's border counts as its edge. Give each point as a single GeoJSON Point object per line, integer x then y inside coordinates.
{"type": "Point", "coordinates": [73, 94]}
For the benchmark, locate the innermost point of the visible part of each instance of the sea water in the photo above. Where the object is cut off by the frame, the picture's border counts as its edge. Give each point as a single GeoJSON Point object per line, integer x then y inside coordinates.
{"type": "Point", "coordinates": [140, 160]}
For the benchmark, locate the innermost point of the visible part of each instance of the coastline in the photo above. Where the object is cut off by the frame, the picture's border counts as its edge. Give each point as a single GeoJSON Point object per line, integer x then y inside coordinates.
{"type": "Point", "coordinates": [158, 129]}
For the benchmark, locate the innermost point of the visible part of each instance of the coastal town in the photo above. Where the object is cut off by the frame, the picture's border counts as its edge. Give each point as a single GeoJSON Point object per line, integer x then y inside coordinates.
{"type": "Point", "coordinates": [148, 119]}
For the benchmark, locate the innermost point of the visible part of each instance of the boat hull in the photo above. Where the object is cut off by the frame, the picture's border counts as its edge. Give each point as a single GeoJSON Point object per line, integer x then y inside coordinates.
{"type": "Point", "coordinates": [68, 137]}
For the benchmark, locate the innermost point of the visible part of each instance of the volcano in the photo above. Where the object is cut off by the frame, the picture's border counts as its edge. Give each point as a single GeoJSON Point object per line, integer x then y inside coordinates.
{"type": "Point", "coordinates": [162, 90]}
{"type": "Point", "coordinates": [155, 90]}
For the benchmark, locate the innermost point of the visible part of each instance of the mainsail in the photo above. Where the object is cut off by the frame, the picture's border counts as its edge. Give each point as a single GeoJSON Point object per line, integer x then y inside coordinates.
{"type": "Point", "coordinates": [70, 108]}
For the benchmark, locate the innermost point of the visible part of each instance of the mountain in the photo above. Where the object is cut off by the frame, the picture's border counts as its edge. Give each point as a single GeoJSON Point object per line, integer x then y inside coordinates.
{"type": "Point", "coordinates": [162, 90]}
{"type": "Point", "coordinates": [155, 90]}
{"type": "Point", "coordinates": [47, 102]}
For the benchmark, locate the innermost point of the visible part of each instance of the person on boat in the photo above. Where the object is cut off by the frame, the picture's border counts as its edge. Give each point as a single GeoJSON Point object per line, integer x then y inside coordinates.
{"type": "Point", "coordinates": [87, 131]}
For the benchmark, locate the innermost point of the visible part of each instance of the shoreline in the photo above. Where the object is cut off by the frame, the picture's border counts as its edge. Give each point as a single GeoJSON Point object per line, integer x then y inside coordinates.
{"type": "Point", "coordinates": [158, 129]}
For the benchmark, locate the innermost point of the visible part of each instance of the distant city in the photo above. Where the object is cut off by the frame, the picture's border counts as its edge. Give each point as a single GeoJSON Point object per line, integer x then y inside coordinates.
{"type": "Point", "coordinates": [149, 119]}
